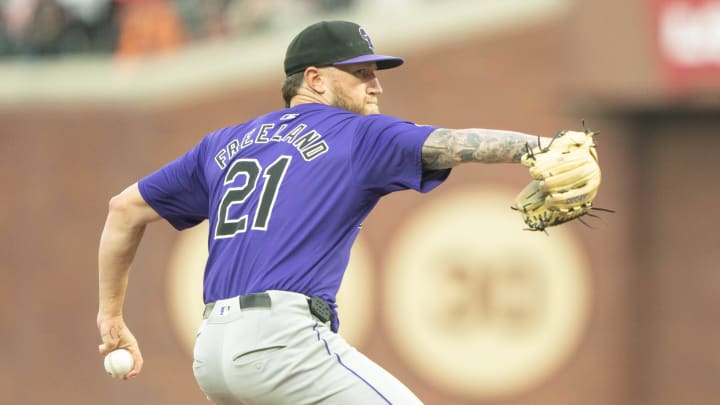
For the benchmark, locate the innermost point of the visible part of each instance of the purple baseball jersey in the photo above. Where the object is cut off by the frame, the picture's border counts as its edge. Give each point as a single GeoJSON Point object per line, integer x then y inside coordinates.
{"type": "Point", "coordinates": [286, 194]}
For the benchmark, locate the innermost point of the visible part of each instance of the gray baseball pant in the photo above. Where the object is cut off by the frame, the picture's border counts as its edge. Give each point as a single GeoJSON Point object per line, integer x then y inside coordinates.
{"type": "Point", "coordinates": [282, 354]}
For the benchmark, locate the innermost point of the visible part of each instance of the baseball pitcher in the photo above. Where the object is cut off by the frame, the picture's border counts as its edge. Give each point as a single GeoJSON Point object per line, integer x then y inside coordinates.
{"type": "Point", "coordinates": [285, 195]}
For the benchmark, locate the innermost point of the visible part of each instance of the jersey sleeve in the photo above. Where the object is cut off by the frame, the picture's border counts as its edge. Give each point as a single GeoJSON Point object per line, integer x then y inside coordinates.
{"type": "Point", "coordinates": [178, 191]}
{"type": "Point", "coordinates": [387, 156]}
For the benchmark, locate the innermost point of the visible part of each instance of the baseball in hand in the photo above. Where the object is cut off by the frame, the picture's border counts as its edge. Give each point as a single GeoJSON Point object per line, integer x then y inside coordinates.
{"type": "Point", "coordinates": [118, 363]}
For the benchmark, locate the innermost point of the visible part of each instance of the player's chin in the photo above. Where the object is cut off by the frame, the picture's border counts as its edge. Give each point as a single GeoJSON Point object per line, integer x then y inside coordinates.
{"type": "Point", "coordinates": [371, 108]}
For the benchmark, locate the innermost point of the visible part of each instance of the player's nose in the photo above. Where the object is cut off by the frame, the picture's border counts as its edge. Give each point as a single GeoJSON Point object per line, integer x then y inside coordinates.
{"type": "Point", "coordinates": [374, 87]}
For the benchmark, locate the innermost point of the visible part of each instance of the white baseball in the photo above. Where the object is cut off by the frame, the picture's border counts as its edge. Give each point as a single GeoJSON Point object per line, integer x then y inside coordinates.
{"type": "Point", "coordinates": [118, 363]}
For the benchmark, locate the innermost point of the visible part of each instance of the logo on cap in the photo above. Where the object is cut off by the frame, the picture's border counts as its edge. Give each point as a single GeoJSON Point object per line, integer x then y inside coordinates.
{"type": "Point", "coordinates": [364, 35]}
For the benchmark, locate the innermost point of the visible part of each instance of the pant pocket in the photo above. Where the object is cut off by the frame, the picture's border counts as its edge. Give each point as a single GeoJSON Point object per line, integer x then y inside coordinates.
{"type": "Point", "coordinates": [256, 355]}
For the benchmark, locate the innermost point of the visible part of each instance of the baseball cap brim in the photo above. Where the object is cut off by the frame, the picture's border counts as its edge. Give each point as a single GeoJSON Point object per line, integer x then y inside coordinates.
{"type": "Point", "coordinates": [382, 61]}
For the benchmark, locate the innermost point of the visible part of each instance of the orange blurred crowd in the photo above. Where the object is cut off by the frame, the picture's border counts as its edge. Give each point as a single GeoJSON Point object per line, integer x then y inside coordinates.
{"type": "Point", "coordinates": [130, 29]}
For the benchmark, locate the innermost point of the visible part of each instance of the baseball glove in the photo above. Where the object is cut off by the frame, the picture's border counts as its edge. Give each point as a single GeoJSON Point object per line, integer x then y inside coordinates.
{"type": "Point", "coordinates": [566, 177]}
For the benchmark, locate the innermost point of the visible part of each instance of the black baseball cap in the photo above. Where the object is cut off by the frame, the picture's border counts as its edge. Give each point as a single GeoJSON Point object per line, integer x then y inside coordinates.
{"type": "Point", "coordinates": [332, 43]}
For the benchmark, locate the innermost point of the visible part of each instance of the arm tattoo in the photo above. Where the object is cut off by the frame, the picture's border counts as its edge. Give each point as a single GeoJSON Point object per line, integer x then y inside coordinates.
{"type": "Point", "coordinates": [445, 148]}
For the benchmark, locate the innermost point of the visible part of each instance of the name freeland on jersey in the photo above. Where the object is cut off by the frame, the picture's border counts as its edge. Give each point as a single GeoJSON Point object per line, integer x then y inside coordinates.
{"type": "Point", "coordinates": [310, 143]}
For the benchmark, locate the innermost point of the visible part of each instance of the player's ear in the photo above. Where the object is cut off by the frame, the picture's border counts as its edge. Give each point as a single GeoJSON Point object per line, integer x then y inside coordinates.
{"type": "Point", "coordinates": [315, 80]}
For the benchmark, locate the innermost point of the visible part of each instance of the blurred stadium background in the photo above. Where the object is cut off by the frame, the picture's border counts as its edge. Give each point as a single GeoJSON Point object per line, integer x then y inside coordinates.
{"type": "Point", "coordinates": [445, 290]}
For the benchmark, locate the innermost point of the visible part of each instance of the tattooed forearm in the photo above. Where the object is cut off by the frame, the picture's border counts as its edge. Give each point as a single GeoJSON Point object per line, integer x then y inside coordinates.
{"type": "Point", "coordinates": [446, 148]}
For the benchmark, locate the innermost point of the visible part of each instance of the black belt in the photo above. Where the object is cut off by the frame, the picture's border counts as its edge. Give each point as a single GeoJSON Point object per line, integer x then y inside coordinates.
{"type": "Point", "coordinates": [261, 300]}
{"type": "Point", "coordinates": [318, 307]}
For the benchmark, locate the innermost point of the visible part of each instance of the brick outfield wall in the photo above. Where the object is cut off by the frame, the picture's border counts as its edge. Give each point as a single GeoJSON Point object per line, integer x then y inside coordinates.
{"type": "Point", "coordinates": [61, 165]}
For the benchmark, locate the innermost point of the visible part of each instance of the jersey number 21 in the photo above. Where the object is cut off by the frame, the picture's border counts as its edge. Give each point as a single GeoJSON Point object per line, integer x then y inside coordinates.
{"type": "Point", "coordinates": [251, 169]}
